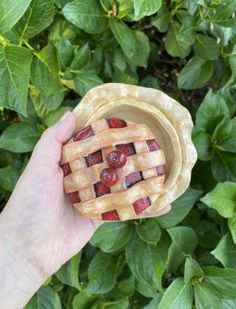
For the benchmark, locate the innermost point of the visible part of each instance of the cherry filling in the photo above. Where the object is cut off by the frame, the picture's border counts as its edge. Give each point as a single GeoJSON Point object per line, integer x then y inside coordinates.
{"type": "Point", "coordinates": [117, 159]}
{"type": "Point", "coordinates": [74, 197]}
{"type": "Point", "coordinates": [152, 145]}
{"type": "Point", "coordinates": [109, 176]}
{"type": "Point", "coordinates": [110, 215]}
{"type": "Point", "coordinates": [94, 158]}
{"type": "Point", "coordinates": [141, 204]}
{"type": "Point", "coordinates": [116, 123]}
{"type": "Point", "coordinates": [133, 178]}
{"type": "Point", "coordinates": [84, 133]}
{"type": "Point", "coordinates": [66, 169]}
{"type": "Point", "coordinates": [128, 149]}
{"type": "Point", "coordinates": [101, 189]}
{"type": "Point", "coordinates": [160, 170]}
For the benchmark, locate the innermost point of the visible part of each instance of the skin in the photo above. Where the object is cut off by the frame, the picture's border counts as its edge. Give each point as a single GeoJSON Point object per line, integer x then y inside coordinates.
{"type": "Point", "coordinates": [39, 228]}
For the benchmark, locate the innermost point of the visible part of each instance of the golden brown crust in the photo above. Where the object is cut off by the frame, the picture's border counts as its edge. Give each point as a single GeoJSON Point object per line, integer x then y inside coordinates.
{"type": "Point", "coordinates": [117, 200]}
{"type": "Point", "coordinates": [139, 162]}
{"type": "Point", "coordinates": [106, 138]}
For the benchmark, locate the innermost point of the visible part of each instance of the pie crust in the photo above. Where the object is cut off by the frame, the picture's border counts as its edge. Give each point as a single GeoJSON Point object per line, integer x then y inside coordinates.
{"type": "Point", "coordinates": [150, 114]}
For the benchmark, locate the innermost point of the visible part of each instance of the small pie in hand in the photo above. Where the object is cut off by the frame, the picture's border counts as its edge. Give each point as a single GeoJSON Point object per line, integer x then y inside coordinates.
{"type": "Point", "coordinates": [114, 169]}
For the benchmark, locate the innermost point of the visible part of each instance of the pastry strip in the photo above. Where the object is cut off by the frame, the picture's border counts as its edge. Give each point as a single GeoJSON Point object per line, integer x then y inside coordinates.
{"type": "Point", "coordinates": [138, 162]}
{"type": "Point", "coordinates": [109, 137]}
{"type": "Point", "coordinates": [117, 200]}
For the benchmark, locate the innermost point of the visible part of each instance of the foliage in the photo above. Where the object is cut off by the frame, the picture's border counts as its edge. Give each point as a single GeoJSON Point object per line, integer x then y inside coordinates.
{"type": "Point", "coordinates": [51, 53]}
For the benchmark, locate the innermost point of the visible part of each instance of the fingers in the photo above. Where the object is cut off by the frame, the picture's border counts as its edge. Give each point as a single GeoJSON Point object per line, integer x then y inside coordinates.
{"type": "Point", "coordinates": [48, 149]}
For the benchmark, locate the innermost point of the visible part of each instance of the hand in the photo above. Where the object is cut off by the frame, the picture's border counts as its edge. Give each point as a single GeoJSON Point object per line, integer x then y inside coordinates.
{"type": "Point", "coordinates": [38, 223]}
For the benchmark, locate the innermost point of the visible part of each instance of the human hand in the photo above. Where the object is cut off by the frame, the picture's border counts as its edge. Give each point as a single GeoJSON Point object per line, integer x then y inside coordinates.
{"type": "Point", "coordinates": [38, 220]}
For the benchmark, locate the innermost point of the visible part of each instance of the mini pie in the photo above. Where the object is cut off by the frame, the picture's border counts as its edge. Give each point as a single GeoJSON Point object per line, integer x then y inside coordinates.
{"type": "Point", "coordinates": [98, 184]}
{"type": "Point", "coordinates": [131, 155]}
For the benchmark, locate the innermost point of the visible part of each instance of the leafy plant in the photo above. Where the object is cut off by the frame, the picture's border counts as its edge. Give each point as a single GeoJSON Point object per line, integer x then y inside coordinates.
{"type": "Point", "coordinates": [51, 53]}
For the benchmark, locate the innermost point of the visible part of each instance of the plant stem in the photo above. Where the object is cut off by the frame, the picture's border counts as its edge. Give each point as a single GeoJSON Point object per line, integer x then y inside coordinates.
{"type": "Point", "coordinates": [103, 6]}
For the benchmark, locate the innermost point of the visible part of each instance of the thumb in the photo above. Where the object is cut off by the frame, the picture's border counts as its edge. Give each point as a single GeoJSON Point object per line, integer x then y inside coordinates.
{"type": "Point", "coordinates": [48, 149]}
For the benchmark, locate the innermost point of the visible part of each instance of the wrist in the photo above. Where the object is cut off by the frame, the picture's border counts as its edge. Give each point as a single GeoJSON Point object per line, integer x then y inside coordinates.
{"type": "Point", "coordinates": [19, 276]}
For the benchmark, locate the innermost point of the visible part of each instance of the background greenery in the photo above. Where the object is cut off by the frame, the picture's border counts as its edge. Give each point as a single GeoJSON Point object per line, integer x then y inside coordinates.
{"type": "Point", "coordinates": [51, 53]}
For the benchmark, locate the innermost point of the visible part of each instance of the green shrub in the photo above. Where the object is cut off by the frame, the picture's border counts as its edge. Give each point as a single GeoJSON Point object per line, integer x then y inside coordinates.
{"type": "Point", "coordinates": [51, 53]}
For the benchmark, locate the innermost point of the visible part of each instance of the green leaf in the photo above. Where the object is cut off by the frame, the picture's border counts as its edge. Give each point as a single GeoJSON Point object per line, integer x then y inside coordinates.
{"type": "Point", "coordinates": [154, 303]}
{"type": "Point", "coordinates": [192, 270]}
{"type": "Point", "coordinates": [145, 8]}
{"type": "Point", "coordinates": [222, 199]}
{"type": "Point", "coordinates": [86, 15]}
{"type": "Point", "coordinates": [225, 252]}
{"type": "Point", "coordinates": [173, 46]}
{"type": "Point", "coordinates": [184, 241]}
{"type": "Point", "coordinates": [195, 74]}
{"type": "Point", "coordinates": [224, 166]}
{"type": "Point", "coordinates": [86, 80]}
{"type": "Point", "coordinates": [10, 12]}
{"type": "Point", "coordinates": [38, 17]}
{"type": "Point", "coordinates": [45, 71]}
{"type": "Point", "coordinates": [206, 297]}
{"type": "Point", "coordinates": [14, 77]}
{"type": "Point", "coordinates": [142, 51]}
{"type": "Point", "coordinates": [229, 303]}
{"type": "Point", "coordinates": [225, 135]}
{"type": "Point", "coordinates": [122, 289]}
{"type": "Point", "coordinates": [119, 304]}
{"type": "Point", "coordinates": [149, 231]}
{"type": "Point", "coordinates": [203, 43]}
{"type": "Point", "coordinates": [81, 58]}
{"type": "Point", "coordinates": [145, 289]}
{"type": "Point", "coordinates": [180, 208]}
{"type": "Point", "coordinates": [162, 19]}
{"type": "Point", "coordinates": [178, 295]}
{"type": "Point", "coordinates": [45, 298]}
{"type": "Point", "coordinates": [222, 280]}
{"type": "Point", "coordinates": [211, 111]}
{"type": "Point", "coordinates": [223, 14]}
{"type": "Point", "coordinates": [186, 33]}
{"type": "Point", "coordinates": [146, 254]}
{"type": "Point", "coordinates": [124, 36]}
{"type": "Point", "coordinates": [19, 137]}
{"type": "Point", "coordinates": [8, 178]}
{"type": "Point", "coordinates": [202, 142]}
{"type": "Point", "coordinates": [232, 227]}
{"type": "Point", "coordinates": [101, 273]}
{"type": "Point", "coordinates": [65, 52]}
{"type": "Point", "coordinates": [111, 237]}
{"type": "Point", "coordinates": [69, 272]}
{"type": "Point", "coordinates": [84, 300]}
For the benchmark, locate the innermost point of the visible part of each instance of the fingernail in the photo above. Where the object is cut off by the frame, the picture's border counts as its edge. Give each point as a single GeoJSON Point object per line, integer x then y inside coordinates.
{"type": "Point", "coordinates": [63, 117]}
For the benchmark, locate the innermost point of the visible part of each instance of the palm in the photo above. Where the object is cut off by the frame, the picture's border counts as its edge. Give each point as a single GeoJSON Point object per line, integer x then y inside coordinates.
{"type": "Point", "coordinates": [50, 228]}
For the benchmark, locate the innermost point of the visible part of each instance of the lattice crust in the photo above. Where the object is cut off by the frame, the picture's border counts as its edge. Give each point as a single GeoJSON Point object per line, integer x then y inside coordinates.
{"type": "Point", "coordinates": [84, 159]}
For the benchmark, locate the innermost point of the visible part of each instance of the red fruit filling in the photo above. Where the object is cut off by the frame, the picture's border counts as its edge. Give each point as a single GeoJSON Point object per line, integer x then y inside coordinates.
{"type": "Point", "coordinates": [74, 197]}
{"type": "Point", "coordinates": [133, 178]}
{"type": "Point", "coordinates": [128, 149]}
{"type": "Point", "coordinates": [116, 123]}
{"type": "Point", "coordinates": [152, 145]}
{"type": "Point", "coordinates": [117, 159]}
{"type": "Point", "coordinates": [84, 133]}
{"type": "Point", "coordinates": [101, 189]}
{"type": "Point", "coordinates": [160, 170]}
{"type": "Point", "coordinates": [109, 176]}
{"type": "Point", "coordinates": [110, 215]}
{"type": "Point", "coordinates": [141, 204]}
{"type": "Point", "coordinates": [66, 169]}
{"type": "Point", "coordinates": [94, 158]}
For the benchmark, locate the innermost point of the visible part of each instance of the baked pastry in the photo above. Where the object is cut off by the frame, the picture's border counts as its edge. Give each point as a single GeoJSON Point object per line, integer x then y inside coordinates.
{"type": "Point", "coordinates": [163, 118]}
{"type": "Point", "coordinates": [114, 169]}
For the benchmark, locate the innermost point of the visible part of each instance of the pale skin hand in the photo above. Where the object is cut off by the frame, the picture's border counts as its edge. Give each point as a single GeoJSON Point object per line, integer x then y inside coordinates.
{"type": "Point", "coordinates": [39, 229]}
